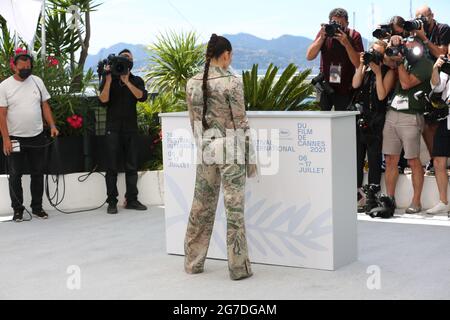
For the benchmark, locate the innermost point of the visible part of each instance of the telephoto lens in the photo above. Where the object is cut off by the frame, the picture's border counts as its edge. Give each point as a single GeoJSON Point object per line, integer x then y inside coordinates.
{"type": "Point", "coordinates": [416, 24]}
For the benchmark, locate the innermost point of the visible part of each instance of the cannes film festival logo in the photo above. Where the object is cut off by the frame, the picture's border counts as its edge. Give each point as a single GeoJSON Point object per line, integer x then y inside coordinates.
{"type": "Point", "coordinates": [74, 278]}
{"type": "Point", "coordinates": [374, 280]}
{"type": "Point", "coordinates": [230, 147]}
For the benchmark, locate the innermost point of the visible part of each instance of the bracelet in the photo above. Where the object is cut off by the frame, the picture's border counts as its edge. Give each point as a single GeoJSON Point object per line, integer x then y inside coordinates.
{"type": "Point", "coordinates": [53, 127]}
{"type": "Point", "coordinates": [426, 42]}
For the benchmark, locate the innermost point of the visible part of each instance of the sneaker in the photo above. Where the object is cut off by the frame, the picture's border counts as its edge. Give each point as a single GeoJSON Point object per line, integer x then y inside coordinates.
{"type": "Point", "coordinates": [412, 209]}
{"type": "Point", "coordinates": [440, 208]}
{"type": "Point", "coordinates": [41, 214]}
{"type": "Point", "coordinates": [18, 216]}
{"type": "Point", "coordinates": [112, 208]}
{"type": "Point", "coordinates": [135, 205]}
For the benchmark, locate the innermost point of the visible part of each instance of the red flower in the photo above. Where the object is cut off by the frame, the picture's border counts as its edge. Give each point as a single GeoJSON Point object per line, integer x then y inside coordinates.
{"type": "Point", "coordinates": [52, 61]}
{"type": "Point", "coordinates": [75, 121]}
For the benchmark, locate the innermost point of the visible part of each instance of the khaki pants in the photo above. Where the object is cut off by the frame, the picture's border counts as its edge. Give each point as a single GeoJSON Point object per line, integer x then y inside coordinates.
{"type": "Point", "coordinates": [201, 220]}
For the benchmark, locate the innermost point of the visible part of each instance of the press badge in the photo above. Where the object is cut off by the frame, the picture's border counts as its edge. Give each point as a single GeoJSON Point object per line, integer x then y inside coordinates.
{"type": "Point", "coordinates": [400, 103]}
{"type": "Point", "coordinates": [335, 73]}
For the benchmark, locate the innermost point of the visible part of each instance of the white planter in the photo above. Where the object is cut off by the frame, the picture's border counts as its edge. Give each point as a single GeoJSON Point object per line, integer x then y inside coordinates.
{"type": "Point", "coordinates": [91, 193]}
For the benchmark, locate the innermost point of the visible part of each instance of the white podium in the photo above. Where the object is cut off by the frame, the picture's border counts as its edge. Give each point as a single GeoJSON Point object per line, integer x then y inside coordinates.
{"type": "Point", "coordinates": [301, 212]}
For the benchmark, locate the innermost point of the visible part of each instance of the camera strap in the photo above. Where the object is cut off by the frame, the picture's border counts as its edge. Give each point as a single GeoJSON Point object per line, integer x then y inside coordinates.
{"type": "Point", "coordinates": [40, 92]}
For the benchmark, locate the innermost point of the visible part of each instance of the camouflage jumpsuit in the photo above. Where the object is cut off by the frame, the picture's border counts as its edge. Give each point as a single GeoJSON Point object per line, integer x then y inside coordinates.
{"type": "Point", "coordinates": [225, 95]}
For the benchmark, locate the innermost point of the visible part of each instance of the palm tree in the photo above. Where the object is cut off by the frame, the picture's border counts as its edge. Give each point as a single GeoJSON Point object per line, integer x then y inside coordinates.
{"type": "Point", "coordinates": [288, 93]}
{"type": "Point", "coordinates": [175, 58]}
{"type": "Point", "coordinates": [64, 41]}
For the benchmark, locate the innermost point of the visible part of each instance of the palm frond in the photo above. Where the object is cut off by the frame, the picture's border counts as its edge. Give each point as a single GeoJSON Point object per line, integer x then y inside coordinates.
{"type": "Point", "coordinates": [289, 92]}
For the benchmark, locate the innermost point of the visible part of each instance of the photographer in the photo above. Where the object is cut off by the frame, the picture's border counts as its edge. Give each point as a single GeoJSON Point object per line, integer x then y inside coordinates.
{"type": "Point", "coordinates": [440, 82]}
{"type": "Point", "coordinates": [120, 92]}
{"type": "Point", "coordinates": [404, 119]}
{"type": "Point", "coordinates": [23, 103]}
{"type": "Point", "coordinates": [394, 28]}
{"type": "Point", "coordinates": [375, 81]}
{"type": "Point", "coordinates": [385, 32]}
{"type": "Point", "coordinates": [339, 47]}
{"type": "Point", "coordinates": [436, 38]}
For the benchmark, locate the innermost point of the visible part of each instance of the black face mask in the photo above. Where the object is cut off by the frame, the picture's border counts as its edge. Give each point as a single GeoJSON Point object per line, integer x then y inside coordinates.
{"type": "Point", "coordinates": [25, 73]}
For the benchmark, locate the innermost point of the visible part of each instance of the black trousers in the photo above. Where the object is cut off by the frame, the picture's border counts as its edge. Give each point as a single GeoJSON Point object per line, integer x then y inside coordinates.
{"type": "Point", "coordinates": [340, 102]}
{"type": "Point", "coordinates": [121, 144]}
{"type": "Point", "coordinates": [373, 147]}
{"type": "Point", "coordinates": [35, 157]}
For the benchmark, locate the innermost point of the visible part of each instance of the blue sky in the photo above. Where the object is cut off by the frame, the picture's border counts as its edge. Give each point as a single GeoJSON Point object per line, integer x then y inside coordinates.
{"type": "Point", "coordinates": [139, 21]}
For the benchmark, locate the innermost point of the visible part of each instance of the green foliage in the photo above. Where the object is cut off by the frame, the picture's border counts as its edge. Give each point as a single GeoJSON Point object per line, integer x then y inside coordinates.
{"type": "Point", "coordinates": [288, 93]}
{"type": "Point", "coordinates": [176, 58]}
{"type": "Point", "coordinates": [6, 50]}
{"type": "Point", "coordinates": [62, 45]}
{"type": "Point", "coordinates": [149, 123]}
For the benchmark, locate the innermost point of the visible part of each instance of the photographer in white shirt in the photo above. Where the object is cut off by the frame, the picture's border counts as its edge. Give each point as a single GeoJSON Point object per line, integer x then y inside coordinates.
{"type": "Point", "coordinates": [441, 150]}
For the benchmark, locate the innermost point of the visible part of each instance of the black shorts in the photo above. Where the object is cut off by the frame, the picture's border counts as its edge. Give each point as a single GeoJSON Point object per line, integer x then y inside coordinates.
{"type": "Point", "coordinates": [442, 141]}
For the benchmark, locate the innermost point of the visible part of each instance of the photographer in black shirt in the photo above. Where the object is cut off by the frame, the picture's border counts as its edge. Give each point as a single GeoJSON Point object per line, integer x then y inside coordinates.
{"type": "Point", "coordinates": [120, 91]}
{"type": "Point", "coordinates": [373, 81]}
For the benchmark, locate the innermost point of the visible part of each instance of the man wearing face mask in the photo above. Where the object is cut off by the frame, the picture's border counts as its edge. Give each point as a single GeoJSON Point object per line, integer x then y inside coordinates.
{"type": "Point", "coordinates": [120, 95]}
{"type": "Point", "coordinates": [23, 103]}
{"type": "Point", "coordinates": [340, 55]}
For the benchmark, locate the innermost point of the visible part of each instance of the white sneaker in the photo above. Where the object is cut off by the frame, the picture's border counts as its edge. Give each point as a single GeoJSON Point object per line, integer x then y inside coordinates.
{"type": "Point", "coordinates": [440, 208]}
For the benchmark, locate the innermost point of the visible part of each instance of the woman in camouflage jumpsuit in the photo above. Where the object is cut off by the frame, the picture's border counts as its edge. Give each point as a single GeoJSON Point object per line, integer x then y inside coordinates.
{"type": "Point", "coordinates": [216, 103]}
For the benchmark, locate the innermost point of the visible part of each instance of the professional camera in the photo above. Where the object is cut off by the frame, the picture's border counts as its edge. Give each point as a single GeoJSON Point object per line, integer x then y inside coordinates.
{"type": "Point", "coordinates": [373, 56]}
{"type": "Point", "coordinates": [416, 24]}
{"type": "Point", "coordinates": [119, 66]}
{"type": "Point", "coordinates": [395, 51]}
{"type": "Point", "coordinates": [332, 28]}
{"type": "Point", "coordinates": [383, 31]}
{"type": "Point", "coordinates": [446, 66]}
{"type": "Point", "coordinates": [436, 108]}
{"type": "Point", "coordinates": [321, 85]}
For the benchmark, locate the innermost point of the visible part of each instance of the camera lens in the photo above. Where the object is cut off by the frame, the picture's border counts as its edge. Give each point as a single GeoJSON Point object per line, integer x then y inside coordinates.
{"type": "Point", "coordinates": [413, 25]}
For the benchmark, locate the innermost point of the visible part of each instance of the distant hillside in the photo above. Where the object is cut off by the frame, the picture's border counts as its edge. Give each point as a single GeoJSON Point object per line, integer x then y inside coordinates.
{"type": "Point", "coordinates": [248, 50]}
{"type": "Point", "coordinates": [140, 53]}
{"type": "Point", "coordinates": [281, 51]}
